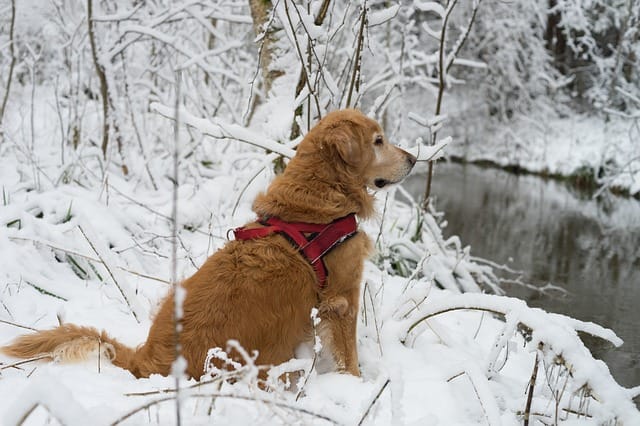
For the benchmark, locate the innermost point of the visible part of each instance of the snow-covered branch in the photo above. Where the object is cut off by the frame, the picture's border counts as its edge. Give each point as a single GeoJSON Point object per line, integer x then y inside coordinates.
{"type": "Point", "coordinates": [220, 130]}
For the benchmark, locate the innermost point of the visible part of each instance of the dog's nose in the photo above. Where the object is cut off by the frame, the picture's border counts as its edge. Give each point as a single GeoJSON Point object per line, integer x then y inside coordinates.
{"type": "Point", "coordinates": [411, 160]}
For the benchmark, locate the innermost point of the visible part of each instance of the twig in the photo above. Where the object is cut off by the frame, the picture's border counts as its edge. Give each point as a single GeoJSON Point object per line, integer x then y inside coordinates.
{"type": "Point", "coordinates": [480, 386]}
{"type": "Point", "coordinates": [367, 289]}
{"type": "Point", "coordinates": [457, 308]}
{"type": "Point", "coordinates": [305, 71]}
{"type": "Point", "coordinates": [171, 390]}
{"type": "Point", "coordinates": [303, 80]}
{"type": "Point", "coordinates": [532, 383]}
{"type": "Point", "coordinates": [269, 158]}
{"type": "Point", "coordinates": [133, 119]}
{"type": "Point", "coordinates": [229, 396]}
{"type": "Point", "coordinates": [441, 86]}
{"type": "Point", "coordinates": [178, 293]}
{"type": "Point", "coordinates": [382, 217]}
{"type": "Point", "coordinates": [316, 351]}
{"type": "Point", "coordinates": [366, 413]}
{"type": "Point", "coordinates": [463, 37]}
{"type": "Point", "coordinates": [455, 376]}
{"type": "Point", "coordinates": [125, 291]}
{"type": "Point", "coordinates": [231, 375]}
{"type": "Point", "coordinates": [25, 361]}
{"type": "Point", "coordinates": [502, 341]}
{"type": "Point", "coordinates": [17, 325]}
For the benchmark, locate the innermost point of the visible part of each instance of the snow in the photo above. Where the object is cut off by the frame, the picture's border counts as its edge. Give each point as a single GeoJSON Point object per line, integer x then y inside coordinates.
{"type": "Point", "coordinates": [430, 153]}
{"type": "Point", "coordinates": [82, 243]}
{"type": "Point", "coordinates": [429, 6]}
{"type": "Point", "coordinates": [381, 16]}
{"type": "Point", "coordinates": [44, 391]}
{"type": "Point", "coordinates": [419, 370]}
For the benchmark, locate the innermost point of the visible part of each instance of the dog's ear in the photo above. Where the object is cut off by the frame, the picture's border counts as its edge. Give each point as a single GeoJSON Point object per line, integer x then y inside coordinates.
{"type": "Point", "coordinates": [344, 140]}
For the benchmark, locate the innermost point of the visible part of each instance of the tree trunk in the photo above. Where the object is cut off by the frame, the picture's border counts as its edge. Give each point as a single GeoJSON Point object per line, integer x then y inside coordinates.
{"type": "Point", "coordinates": [260, 13]}
{"type": "Point", "coordinates": [12, 64]}
{"type": "Point", "coordinates": [104, 92]}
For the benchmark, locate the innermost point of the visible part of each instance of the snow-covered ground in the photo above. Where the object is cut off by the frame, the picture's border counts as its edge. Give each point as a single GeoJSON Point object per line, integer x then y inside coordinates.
{"type": "Point", "coordinates": [433, 348]}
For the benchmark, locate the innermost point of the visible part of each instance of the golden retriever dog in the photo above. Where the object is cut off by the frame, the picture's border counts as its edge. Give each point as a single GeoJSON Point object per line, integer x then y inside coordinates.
{"type": "Point", "coordinates": [260, 291]}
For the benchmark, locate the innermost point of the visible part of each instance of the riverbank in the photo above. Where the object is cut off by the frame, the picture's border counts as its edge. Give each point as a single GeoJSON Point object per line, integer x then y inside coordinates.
{"type": "Point", "coordinates": [589, 151]}
{"type": "Point", "coordinates": [582, 179]}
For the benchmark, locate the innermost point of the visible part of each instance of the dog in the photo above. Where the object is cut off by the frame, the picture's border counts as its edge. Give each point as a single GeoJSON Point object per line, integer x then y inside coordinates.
{"type": "Point", "coordinates": [259, 290]}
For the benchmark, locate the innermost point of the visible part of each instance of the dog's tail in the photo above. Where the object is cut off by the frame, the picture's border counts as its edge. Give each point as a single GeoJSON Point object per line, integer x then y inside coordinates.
{"type": "Point", "coordinates": [68, 343]}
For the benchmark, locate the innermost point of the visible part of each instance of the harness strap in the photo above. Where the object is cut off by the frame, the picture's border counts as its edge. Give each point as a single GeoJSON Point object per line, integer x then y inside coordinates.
{"type": "Point", "coordinates": [326, 237]}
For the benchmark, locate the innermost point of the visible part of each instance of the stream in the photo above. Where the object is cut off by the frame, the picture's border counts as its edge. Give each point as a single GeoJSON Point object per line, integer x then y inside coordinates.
{"type": "Point", "coordinates": [555, 234]}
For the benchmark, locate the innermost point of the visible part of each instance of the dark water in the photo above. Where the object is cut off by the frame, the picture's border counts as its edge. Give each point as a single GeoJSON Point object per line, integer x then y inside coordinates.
{"type": "Point", "coordinates": [554, 234]}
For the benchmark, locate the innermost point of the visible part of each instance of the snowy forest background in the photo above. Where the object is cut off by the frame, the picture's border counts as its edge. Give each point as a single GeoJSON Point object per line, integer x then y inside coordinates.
{"type": "Point", "coordinates": [90, 93]}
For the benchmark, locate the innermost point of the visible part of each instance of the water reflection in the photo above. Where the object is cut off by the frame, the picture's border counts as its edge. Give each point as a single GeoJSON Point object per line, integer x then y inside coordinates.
{"type": "Point", "coordinates": [555, 234]}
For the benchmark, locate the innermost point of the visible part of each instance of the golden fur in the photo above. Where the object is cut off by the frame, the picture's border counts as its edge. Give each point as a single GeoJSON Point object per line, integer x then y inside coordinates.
{"type": "Point", "coordinates": [261, 292]}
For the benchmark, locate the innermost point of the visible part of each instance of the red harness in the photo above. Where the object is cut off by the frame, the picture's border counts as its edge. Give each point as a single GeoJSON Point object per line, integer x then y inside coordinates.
{"type": "Point", "coordinates": [323, 238]}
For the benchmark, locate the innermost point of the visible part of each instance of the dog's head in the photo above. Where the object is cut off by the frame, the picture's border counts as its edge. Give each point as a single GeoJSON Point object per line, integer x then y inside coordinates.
{"type": "Point", "coordinates": [355, 147]}
{"type": "Point", "coordinates": [342, 157]}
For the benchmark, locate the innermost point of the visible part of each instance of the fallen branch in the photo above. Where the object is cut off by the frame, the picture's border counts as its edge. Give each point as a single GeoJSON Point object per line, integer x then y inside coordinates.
{"type": "Point", "coordinates": [84, 256]}
{"type": "Point", "coordinates": [501, 305]}
{"type": "Point", "coordinates": [109, 263]}
{"type": "Point", "coordinates": [220, 130]}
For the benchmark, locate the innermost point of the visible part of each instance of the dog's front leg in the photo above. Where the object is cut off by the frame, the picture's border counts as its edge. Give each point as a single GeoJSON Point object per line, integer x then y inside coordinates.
{"type": "Point", "coordinates": [339, 315]}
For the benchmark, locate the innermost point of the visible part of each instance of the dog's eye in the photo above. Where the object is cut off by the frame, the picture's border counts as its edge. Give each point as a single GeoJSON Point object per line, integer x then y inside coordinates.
{"type": "Point", "coordinates": [379, 140]}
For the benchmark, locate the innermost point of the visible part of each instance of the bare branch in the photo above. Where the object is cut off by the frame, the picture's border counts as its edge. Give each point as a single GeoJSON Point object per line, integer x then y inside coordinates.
{"type": "Point", "coordinates": [441, 86]}
{"type": "Point", "coordinates": [532, 384]}
{"type": "Point", "coordinates": [177, 369]}
{"type": "Point", "coordinates": [355, 75]}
